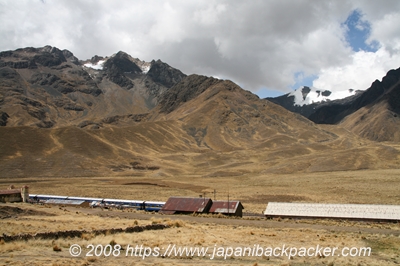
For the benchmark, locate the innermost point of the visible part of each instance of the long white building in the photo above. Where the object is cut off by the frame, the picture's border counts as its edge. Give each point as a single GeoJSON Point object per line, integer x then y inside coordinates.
{"type": "Point", "coordinates": [337, 211]}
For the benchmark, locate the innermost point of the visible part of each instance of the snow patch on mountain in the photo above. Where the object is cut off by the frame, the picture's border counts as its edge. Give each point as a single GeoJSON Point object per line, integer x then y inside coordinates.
{"type": "Point", "coordinates": [310, 95]}
{"type": "Point", "coordinates": [144, 66]}
{"type": "Point", "coordinates": [97, 66]}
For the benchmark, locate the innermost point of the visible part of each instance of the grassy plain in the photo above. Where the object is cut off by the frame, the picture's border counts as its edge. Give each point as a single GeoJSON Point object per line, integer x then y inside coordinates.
{"type": "Point", "coordinates": [255, 191]}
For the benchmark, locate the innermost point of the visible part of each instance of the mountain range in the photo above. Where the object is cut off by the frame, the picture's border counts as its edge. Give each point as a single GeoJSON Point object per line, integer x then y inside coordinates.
{"type": "Point", "coordinates": [47, 87]}
{"type": "Point", "coordinates": [372, 113]}
{"type": "Point", "coordinates": [118, 115]}
{"type": "Point", "coordinates": [306, 100]}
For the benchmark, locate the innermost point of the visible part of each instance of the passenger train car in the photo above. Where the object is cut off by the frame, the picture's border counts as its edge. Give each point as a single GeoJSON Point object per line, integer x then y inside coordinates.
{"type": "Point", "coordinates": [100, 202]}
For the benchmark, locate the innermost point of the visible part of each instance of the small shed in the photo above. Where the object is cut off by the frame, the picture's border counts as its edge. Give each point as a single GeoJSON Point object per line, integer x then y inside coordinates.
{"type": "Point", "coordinates": [178, 205]}
{"type": "Point", "coordinates": [10, 195]}
{"type": "Point", "coordinates": [231, 208]}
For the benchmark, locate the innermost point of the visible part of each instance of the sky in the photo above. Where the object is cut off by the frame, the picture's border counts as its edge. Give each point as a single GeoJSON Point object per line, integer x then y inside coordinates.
{"type": "Point", "coordinates": [269, 47]}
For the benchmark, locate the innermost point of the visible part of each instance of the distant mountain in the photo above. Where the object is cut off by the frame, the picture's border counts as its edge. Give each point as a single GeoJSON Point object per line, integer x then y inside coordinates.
{"type": "Point", "coordinates": [372, 113]}
{"type": "Point", "coordinates": [376, 113]}
{"type": "Point", "coordinates": [47, 87]}
{"type": "Point", "coordinates": [334, 113]}
{"type": "Point", "coordinates": [307, 99]}
{"type": "Point", "coordinates": [118, 115]}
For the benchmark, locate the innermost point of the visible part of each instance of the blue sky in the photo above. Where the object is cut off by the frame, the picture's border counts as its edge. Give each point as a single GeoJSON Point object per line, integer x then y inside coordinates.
{"type": "Point", "coordinates": [358, 31]}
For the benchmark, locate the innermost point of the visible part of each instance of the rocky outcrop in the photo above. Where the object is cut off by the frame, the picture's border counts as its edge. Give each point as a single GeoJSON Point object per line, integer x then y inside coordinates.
{"type": "Point", "coordinates": [189, 88]}
{"type": "Point", "coordinates": [117, 66]}
{"type": "Point", "coordinates": [32, 57]}
{"type": "Point", "coordinates": [53, 58]}
{"type": "Point", "coordinates": [3, 118]}
{"type": "Point", "coordinates": [164, 74]}
{"type": "Point", "coordinates": [85, 84]}
{"type": "Point", "coordinates": [132, 117]}
{"type": "Point", "coordinates": [70, 56]}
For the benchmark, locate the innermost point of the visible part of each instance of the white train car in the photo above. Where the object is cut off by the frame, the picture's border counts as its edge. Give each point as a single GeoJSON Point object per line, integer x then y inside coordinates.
{"type": "Point", "coordinates": [85, 199]}
{"type": "Point", "coordinates": [102, 202]}
{"type": "Point", "coordinates": [153, 205]}
{"type": "Point", "coordinates": [137, 204]}
{"type": "Point", "coordinates": [40, 197]}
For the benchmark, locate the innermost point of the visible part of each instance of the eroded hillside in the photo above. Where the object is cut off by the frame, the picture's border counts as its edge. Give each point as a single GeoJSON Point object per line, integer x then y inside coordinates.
{"type": "Point", "coordinates": [202, 126]}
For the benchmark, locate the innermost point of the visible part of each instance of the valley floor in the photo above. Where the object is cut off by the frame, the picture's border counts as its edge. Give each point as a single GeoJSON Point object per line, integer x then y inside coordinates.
{"type": "Point", "coordinates": [255, 191]}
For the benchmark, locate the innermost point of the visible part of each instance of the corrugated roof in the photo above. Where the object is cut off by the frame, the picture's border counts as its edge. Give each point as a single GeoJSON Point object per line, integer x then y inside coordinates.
{"type": "Point", "coordinates": [10, 191]}
{"type": "Point", "coordinates": [220, 206]}
{"type": "Point", "coordinates": [180, 204]}
{"type": "Point", "coordinates": [361, 211]}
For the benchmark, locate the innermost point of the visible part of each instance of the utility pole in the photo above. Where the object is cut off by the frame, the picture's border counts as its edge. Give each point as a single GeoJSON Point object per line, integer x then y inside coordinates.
{"type": "Point", "coordinates": [228, 200]}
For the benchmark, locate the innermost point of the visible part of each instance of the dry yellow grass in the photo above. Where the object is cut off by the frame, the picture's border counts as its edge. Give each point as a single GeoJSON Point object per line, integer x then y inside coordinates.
{"type": "Point", "coordinates": [64, 219]}
{"type": "Point", "coordinates": [192, 234]}
{"type": "Point", "coordinates": [368, 186]}
{"type": "Point", "coordinates": [254, 190]}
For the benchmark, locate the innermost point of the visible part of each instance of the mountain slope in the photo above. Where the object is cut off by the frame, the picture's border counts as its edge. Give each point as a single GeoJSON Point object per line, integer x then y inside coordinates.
{"type": "Point", "coordinates": [212, 128]}
{"type": "Point", "coordinates": [335, 113]}
{"type": "Point", "coordinates": [379, 120]}
{"type": "Point", "coordinates": [118, 115]}
{"type": "Point", "coordinates": [372, 113]}
{"type": "Point", "coordinates": [47, 87]}
{"type": "Point", "coordinates": [221, 115]}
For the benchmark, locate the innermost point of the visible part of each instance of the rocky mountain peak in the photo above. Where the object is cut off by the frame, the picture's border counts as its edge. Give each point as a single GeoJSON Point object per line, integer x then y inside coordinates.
{"type": "Point", "coordinates": [32, 57]}
{"type": "Point", "coordinates": [164, 74]}
{"type": "Point", "coordinates": [95, 59]}
{"type": "Point", "coordinates": [49, 87]}
{"type": "Point", "coordinates": [122, 63]}
{"type": "Point", "coordinates": [305, 91]}
{"type": "Point", "coordinates": [117, 66]}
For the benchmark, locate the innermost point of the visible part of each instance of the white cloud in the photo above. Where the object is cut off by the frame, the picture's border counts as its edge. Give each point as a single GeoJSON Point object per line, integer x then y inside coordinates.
{"type": "Point", "coordinates": [364, 68]}
{"type": "Point", "coordinates": [209, 15]}
{"type": "Point", "coordinates": [387, 31]}
{"type": "Point", "coordinates": [257, 44]}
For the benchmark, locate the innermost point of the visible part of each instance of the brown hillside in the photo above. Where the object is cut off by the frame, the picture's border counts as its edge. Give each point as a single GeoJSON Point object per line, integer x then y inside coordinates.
{"type": "Point", "coordinates": [61, 119]}
{"type": "Point", "coordinates": [378, 121]}
{"type": "Point", "coordinates": [223, 131]}
{"type": "Point", "coordinates": [225, 117]}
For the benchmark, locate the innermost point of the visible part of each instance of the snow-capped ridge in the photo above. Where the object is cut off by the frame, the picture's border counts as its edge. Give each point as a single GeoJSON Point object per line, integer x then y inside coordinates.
{"type": "Point", "coordinates": [310, 95]}
{"type": "Point", "coordinates": [97, 62]}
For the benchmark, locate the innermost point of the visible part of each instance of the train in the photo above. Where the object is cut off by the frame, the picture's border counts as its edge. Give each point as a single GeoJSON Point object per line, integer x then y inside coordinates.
{"type": "Point", "coordinates": [103, 202]}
